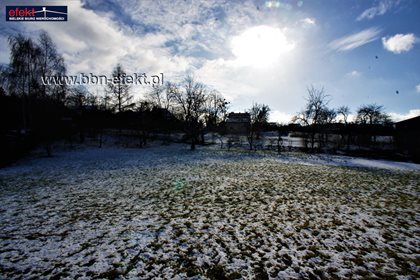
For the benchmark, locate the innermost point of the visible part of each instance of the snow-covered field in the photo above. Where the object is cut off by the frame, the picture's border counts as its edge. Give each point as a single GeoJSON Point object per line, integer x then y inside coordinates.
{"type": "Point", "coordinates": [165, 212]}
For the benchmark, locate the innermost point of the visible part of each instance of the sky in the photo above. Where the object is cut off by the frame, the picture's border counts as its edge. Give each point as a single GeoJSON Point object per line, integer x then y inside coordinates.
{"type": "Point", "coordinates": [270, 52]}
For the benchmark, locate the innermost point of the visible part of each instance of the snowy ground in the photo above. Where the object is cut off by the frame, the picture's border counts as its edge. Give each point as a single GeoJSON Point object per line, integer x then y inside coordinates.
{"type": "Point", "coordinates": [170, 213]}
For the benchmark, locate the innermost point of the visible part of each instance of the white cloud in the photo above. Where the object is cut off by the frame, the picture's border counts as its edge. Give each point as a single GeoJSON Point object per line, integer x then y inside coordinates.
{"type": "Point", "coordinates": [308, 21]}
{"type": "Point", "coordinates": [380, 9]}
{"type": "Point", "coordinates": [197, 26]}
{"type": "Point", "coordinates": [396, 117]}
{"type": "Point", "coordinates": [399, 43]}
{"type": "Point", "coordinates": [171, 38]}
{"type": "Point", "coordinates": [354, 74]}
{"type": "Point", "coordinates": [355, 40]}
{"type": "Point", "coordinates": [278, 86]}
{"type": "Point", "coordinates": [225, 76]}
{"type": "Point", "coordinates": [418, 88]}
{"type": "Point", "coordinates": [4, 56]}
{"type": "Point", "coordinates": [95, 43]}
{"type": "Point", "coordinates": [280, 117]}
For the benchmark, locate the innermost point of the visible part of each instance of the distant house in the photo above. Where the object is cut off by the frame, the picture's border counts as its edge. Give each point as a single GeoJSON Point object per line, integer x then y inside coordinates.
{"type": "Point", "coordinates": [407, 137]}
{"type": "Point", "coordinates": [238, 123]}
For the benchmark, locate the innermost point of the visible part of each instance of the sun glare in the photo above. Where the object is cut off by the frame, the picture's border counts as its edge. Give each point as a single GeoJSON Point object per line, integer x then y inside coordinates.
{"type": "Point", "coordinates": [260, 46]}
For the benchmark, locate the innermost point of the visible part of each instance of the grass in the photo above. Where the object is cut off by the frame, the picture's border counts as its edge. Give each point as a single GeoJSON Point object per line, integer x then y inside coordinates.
{"type": "Point", "coordinates": [212, 216]}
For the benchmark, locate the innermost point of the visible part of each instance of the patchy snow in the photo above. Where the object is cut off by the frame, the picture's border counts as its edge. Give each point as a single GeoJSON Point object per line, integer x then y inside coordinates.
{"type": "Point", "coordinates": [386, 164]}
{"type": "Point", "coordinates": [347, 161]}
{"type": "Point", "coordinates": [166, 212]}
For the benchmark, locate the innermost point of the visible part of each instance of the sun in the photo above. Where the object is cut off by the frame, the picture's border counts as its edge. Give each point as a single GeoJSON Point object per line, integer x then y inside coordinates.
{"type": "Point", "coordinates": [260, 46]}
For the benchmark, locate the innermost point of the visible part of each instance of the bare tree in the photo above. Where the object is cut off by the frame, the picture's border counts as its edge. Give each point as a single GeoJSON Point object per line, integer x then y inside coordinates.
{"type": "Point", "coordinates": [216, 107]}
{"type": "Point", "coordinates": [79, 97]}
{"type": "Point", "coordinates": [4, 78]}
{"type": "Point", "coordinates": [259, 114]}
{"type": "Point", "coordinates": [344, 112]}
{"type": "Point", "coordinates": [161, 96]}
{"type": "Point", "coordinates": [328, 117]}
{"type": "Point", "coordinates": [162, 101]}
{"type": "Point", "coordinates": [51, 63]}
{"type": "Point", "coordinates": [30, 61]}
{"type": "Point", "coordinates": [216, 113]}
{"type": "Point", "coordinates": [24, 54]}
{"type": "Point", "coordinates": [105, 100]}
{"type": "Point", "coordinates": [143, 122]}
{"type": "Point", "coordinates": [372, 114]}
{"type": "Point", "coordinates": [313, 114]}
{"type": "Point", "coordinates": [190, 100]}
{"type": "Point", "coordinates": [119, 90]}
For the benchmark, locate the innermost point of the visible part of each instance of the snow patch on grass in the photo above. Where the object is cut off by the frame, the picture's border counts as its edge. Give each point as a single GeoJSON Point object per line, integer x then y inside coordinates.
{"type": "Point", "coordinates": [167, 212]}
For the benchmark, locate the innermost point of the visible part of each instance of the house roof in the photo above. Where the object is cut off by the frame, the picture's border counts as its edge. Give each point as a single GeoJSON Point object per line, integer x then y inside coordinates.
{"type": "Point", "coordinates": [239, 117]}
{"type": "Point", "coordinates": [413, 123]}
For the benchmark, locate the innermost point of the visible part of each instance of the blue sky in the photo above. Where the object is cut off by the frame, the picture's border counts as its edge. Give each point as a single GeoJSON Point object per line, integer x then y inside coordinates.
{"type": "Point", "coordinates": [250, 51]}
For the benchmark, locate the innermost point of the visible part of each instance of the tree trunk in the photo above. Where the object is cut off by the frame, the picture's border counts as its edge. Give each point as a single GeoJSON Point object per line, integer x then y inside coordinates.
{"type": "Point", "coordinates": [313, 139]}
{"type": "Point", "coordinates": [193, 143]}
{"type": "Point", "coordinates": [326, 139]}
{"type": "Point", "coordinates": [348, 141]}
{"type": "Point", "coordinates": [82, 134]}
{"type": "Point", "coordinates": [48, 149]}
{"type": "Point", "coordinates": [251, 140]}
{"type": "Point", "coordinates": [202, 138]}
{"type": "Point", "coordinates": [279, 143]}
{"type": "Point", "coordinates": [100, 137]}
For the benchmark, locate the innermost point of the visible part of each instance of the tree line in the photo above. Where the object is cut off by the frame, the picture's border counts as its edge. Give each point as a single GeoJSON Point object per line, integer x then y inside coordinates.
{"type": "Point", "coordinates": [34, 113]}
{"type": "Point", "coordinates": [319, 118]}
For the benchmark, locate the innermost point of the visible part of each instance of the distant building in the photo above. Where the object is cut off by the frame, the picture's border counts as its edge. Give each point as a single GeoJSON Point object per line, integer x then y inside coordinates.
{"type": "Point", "coordinates": [238, 123]}
{"type": "Point", "coordinates": [408, 137]}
